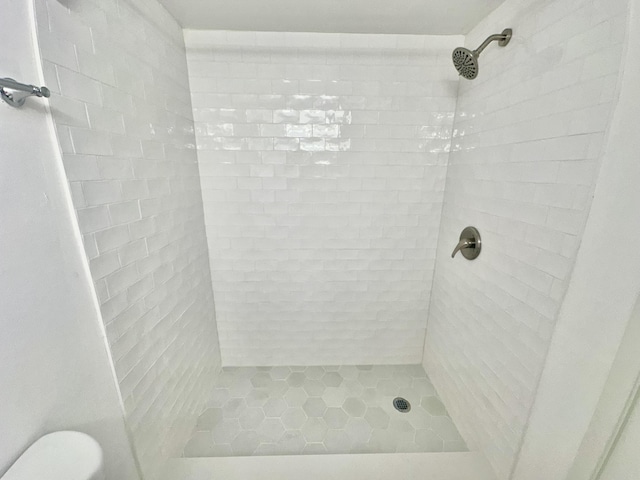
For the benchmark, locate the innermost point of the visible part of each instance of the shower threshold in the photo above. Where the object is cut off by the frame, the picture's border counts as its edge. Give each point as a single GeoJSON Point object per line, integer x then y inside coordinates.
{"type": "Point", "coordinates": [266, 411]}
{"type": "Point", "coordinates": [386, 466]}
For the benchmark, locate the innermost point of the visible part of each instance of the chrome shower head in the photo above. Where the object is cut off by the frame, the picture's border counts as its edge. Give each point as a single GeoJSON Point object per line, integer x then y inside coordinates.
{"type": "Point", "coordinates": [466, 61]}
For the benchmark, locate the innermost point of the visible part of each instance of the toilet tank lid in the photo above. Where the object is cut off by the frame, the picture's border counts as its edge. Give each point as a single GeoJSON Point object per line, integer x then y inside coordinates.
{"type": "Point", "coordinates": [59, 456]}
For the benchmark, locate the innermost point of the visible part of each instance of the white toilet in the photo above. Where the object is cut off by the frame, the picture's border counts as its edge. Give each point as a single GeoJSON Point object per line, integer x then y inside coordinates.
{"type": "Point", "coordinates": [59, 456]}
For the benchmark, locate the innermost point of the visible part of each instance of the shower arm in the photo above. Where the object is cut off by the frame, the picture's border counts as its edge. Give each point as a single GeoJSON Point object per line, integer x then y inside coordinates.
{"type": "Point", "coordinates": [15, 93]}
{"type": "Point", "coordinates": [502, 38]}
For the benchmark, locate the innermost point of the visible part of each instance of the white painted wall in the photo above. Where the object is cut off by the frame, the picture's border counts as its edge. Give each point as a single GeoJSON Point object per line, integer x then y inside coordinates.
{"type": "Point", "coordinates": [525, 156]}
{"type": "Point", "coordinates": [323, 159]}
{"type": "Point", "coordinates": [55, 372]}
{"type": "Point", "coordinates": [121, 105]}
{"type": "Point", "coordinates": [624, 463]}
{"type": "Point", "coordinates": [600, 298]}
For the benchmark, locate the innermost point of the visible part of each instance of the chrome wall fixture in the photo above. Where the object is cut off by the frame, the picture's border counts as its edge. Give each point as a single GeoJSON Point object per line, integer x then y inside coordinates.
{"type": "Point", "coordinates": [16, 93]}
{"type": "Point", "coordinates": [469, 245]}
{"type": "Point", "coordinates": [466, 61]}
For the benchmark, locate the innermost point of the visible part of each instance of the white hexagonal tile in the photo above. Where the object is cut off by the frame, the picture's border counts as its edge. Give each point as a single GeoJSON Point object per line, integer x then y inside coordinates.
{"type": "Point", "coordinates": [245, 443]}
{"type": "Point", "coordinates": [409, 394]}
{"type": "Point", "coordinates": [383, 441]}
{"type": "Point", "coordinates": [293, 418]}
{"type": "Point", "coordinates": [377, 417]}
{"type": "Point", "coordinates": [199, 445]}
{"type": "Point", "coordinates": [221, 450]}
{"type": "Point", "coordinates": [353, 388]}
{"type": "Point", "coordinates": [292, 442]}
{"type": "Point", "coordinates": [334, 396]}
{"type": "Point", "coordinates": [234, 408]}
{"type": "Point", "coordinates": [296, 379]}
{"type": "Point", "coordinates": [251, 418]}
{"type": "Point", "coordinates": [335, 417]}
{"type": "Point", "coordinates": [429, 441]}
{"type": "Point", "coordinates": [332, 379]}
{"type": "Point", "coordinates": [270, 430]}
{"type": "Point", "coordinates": [409, 447]}
{"type": "Point", "coordinates": [433, 406]}
{"type": "Point", "coordinates": [416, 371]}
{"type": "Point", "coordinates": [261, 379]}
{"type": "Point", "coordinates": [218, 397]}
{"type": "Point", "coordinates": [419, 418]}
{"type": "Point", "coordinates": [277, 388]}
{"type": "Point", "coordinates": [314, 407]}
{"type": "Point", "coordinates": [387, 387]}
{"type": "Point", "coordinates": [445, 428]}
{"type": "Point", "coordinates": [275, 407]}
{"type": "Point", "coordinates": [358, 430]}
{"type": "Point", "coordinates": [314, 388]}
{"type": "Point", "coordinates": [360, 448]}
{"type": "Point", "coordinates": [368, 379]}
{"type": "Point", "coordinates": [337, 441]}
{"type": "Point", "coordinates": [354, 407]}
{"type": "Point", "coordinates": [403, 381]}
{"type": "Point", "coordinates": [314, 430]}
{"type": "Point", "coordinates": [314, 449]}
{"type": "Point", "coordinates": [256, 398]}
{"type": "Point", "coordinates": [280, 373]}
{"type": "Point", "coordinates": [349, 372]}
{"type": "Point", "coordinates": [226, 430]}
{"type": "Point", "coordinates": [314, 373]}
{"type": "Point", "coordinates": [240, 388]}
{"type": "Point", "coordinates": [321, 409]}
{"type": "Point", "coordinates": [226, 378]}
{"type": "Point", "coordinates": [267, 449]}
{"type": "Point", "coordinates": [383, 371]}
{"type": "Point", "coordinates": [455, 446]}
{"type": "Point", "coordinates": [209, 419]}
{"type": "Point", "coordinates": [370, 397]}
{"type": "Point", "coordinates": [295, 397]}
{"type": "Point", "coordinates": [238, 373]}
{"type": "Point", "coordinates": [423, 387]}
{"type": "Point", "coordinates": [402, 429]}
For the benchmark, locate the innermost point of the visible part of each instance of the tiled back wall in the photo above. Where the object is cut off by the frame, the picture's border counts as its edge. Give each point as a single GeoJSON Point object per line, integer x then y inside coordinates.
{"type": "Point", "coordinates": [524, 161]}
{"type": "Point", "coordinates": [323, 159]}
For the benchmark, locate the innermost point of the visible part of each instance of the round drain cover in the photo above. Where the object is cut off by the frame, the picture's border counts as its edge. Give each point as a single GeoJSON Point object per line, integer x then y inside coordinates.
{"type": "Point", "coordinates": [401, 404]}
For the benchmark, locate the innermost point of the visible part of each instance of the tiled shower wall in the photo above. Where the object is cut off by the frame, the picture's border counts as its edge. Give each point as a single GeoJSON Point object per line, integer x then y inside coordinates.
{"type": "Point", "coordinates": [121, 105]}
{"type": "Point", "coordinates": [323, 159]}
{"type": "Point", "coordinates": [524, 162]}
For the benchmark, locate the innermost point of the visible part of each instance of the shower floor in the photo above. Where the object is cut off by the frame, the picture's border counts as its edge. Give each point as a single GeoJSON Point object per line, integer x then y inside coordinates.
{"type": "Point", "coordinates": [316, 410]}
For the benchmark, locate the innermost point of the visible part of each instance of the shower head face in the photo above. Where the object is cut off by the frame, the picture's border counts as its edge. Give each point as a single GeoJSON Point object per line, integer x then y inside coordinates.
{"type": "Point", "coordinates": [466, 62]}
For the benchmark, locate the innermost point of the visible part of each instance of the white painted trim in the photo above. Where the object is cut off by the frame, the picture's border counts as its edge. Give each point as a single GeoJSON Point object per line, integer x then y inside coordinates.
{"type": "Point", "coordinates": [614, 407]}
{"type": "Point", "coordinates": [380, 466]}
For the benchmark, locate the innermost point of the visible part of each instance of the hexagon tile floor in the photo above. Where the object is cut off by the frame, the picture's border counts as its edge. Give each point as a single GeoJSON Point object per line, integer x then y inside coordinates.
{"type": "Point", "coordinates": [314, 410]}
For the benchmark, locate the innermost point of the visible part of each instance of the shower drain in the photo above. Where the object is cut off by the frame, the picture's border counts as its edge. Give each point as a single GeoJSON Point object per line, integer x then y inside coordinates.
{"type": "Point", "coordinates": [401, 404]}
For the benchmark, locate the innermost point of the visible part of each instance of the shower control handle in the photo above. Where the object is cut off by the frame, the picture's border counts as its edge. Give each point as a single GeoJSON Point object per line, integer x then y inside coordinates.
{"type": "Point", "coordinates": [464, 243]}
{"type": "Point", "coordinates": [469, 244]}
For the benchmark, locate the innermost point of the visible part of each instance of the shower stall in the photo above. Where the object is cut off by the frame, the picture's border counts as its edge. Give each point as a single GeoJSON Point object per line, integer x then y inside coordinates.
{"type": "Point", "coordinates": [268, 219]}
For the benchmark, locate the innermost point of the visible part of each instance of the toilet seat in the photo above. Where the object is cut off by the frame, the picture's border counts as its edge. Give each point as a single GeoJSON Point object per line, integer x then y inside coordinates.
{"type": "Point", "coordinates": [62, 455]}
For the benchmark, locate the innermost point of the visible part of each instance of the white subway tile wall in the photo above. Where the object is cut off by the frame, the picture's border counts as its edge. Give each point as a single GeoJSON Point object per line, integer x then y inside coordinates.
{"type": "Point", "coordinates": [323, 159]}
{"type": "Point", "coordinates": [524, 161]}
{"type": "Point", "coordinates": [122, 110]}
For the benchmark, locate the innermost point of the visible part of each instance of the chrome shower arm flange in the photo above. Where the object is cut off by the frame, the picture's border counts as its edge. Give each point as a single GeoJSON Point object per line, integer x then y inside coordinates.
{"type": "Point", "coordinates": [507, 33]}
{"type": "Point", "coordinates": [503, 40]}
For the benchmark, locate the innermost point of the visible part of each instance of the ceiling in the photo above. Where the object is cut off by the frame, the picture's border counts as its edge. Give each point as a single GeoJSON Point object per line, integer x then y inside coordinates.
{"type": "Point", "coordinates": [434, 17]}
